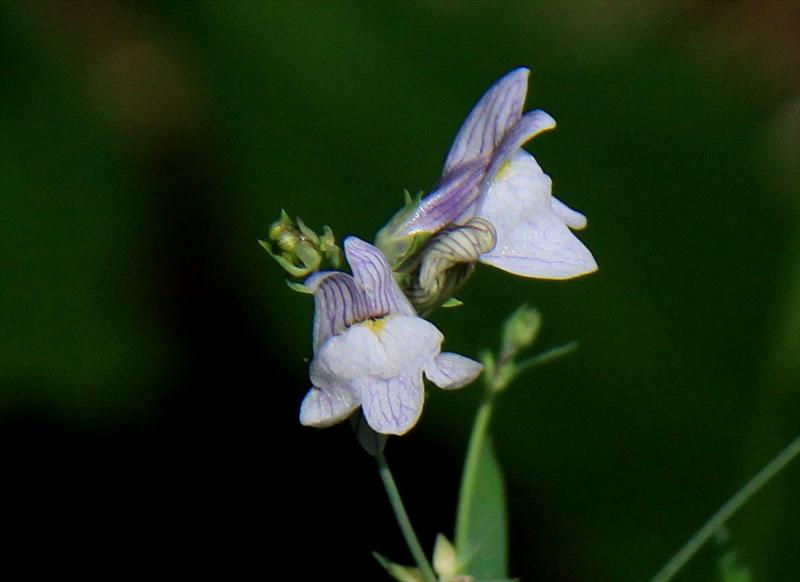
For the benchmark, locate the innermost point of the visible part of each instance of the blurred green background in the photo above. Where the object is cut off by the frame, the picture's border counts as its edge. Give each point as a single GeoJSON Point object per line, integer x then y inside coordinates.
{"type": "Point", "coordinates": [153, 360]}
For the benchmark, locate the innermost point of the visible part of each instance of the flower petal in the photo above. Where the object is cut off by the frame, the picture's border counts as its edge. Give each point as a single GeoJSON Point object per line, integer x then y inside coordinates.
{"type": "Point", "coordinates": [450, 370]}
{"type": "Point", "coordinates": [574, 219]}
{"type": "Point", "coordinates": [529, 126]}
{"type": "Point", "coordinates": [321, 408]}
{"type": "Point", "coordinates": [410, 341]}
{"type": "Point", "coordinates": [464, 244]}
{"type": "Point", "coordinates": [338, 303]}
{"type": "Point", "coordinates": [532, 237]}
{"type": "Point", "coordinates": [457, 192]}
{"type": "Point", "coordinates": [356, 352]}
{"type": "Point", "coordinates": [492, 117]}
{"type": "Point", "coordinates": [393, 405]}
{"type": "Point", "coordinates": [453, 202]}
{"type": "Point", "coordinates": [375, 278]}
{"type": "Point", "coordinates": [335, 371]}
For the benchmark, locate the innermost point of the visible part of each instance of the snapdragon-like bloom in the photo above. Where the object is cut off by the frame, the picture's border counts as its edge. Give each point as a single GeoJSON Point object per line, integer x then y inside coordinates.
{"type": "Point", "coordinates": [371, 349]}
{"type": "Point", "coordinates": [489, 178]}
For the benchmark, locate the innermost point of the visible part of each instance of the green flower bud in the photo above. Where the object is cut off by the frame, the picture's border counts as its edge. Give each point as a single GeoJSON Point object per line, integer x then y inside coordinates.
{"type": "Point", "coordinates": [445, 559]}
{"type": "Point", "coordinates": [284, 233]}
{"type": "Point", "coordinates": [298, 249]}
{"type": "Point", "coordinates": [327, 244]}
{"type": "Point", "coordinates": [400, 247]}
{"type": "Point", "coordinates": [307, 233]}
{"type": "Point", "coordinates": [308, 255]}
{"type": "Point", "coordinates": [520, 331]}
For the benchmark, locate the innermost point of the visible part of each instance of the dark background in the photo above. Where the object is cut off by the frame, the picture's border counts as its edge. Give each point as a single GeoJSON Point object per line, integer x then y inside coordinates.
{"type": "Point", "coordinates": [153, 361]}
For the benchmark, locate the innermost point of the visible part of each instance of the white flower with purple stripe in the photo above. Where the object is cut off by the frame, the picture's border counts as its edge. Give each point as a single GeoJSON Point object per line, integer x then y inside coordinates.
{"type": "Point", "coordinates": [371, 349]}
{"type": "Point", "coordinates": [488, 175]}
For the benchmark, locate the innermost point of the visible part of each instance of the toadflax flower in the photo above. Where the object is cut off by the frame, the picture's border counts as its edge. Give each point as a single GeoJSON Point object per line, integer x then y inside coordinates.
{"type": "Point", "coordinates": [489, 178]}
{"type": "Point", "coordinates": [371, 349]}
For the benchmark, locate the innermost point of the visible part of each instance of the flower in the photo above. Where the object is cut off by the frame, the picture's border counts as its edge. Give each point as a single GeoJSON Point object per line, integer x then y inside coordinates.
{"type": "Point", "coordinates": [371, 348]}
{"type": "Point", "coordinates": [487, 175]}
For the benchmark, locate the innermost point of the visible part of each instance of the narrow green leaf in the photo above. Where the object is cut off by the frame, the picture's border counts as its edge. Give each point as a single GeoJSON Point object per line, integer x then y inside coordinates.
{"type": "Point", "coordinates": [307, 232]}
{"type": "Point", "coordinates": [299, 287]}
{"type": "Point", "coordinates": [484, 548]}
{"type": "Point", "coordinates": [546, 357]}
{"type": "Point", "coordinates": [398, 572]}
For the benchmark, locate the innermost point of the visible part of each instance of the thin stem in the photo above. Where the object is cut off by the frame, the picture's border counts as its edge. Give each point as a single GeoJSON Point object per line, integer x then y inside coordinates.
{"type": "Point", "coordinates": [476, 440]}
{"type": "Point", "coordinates": [545, 357]}
{"type": "Point", "coordinates": [402, 519]}
{"type": "Point", "coordinates": [726, 511]}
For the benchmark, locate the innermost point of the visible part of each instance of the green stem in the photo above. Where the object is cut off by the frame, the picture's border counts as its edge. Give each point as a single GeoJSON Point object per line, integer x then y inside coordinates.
{"type": "Point", "coordinates": [726, 511]}
{"type": "Point", "coordinates": [402, 519]}
{"type": "Point", "coordinates": [476, 440]}
{"type": "Point", "coordinates": [495, 381]}
{"type": "Point", "coordinates": [545, 357]}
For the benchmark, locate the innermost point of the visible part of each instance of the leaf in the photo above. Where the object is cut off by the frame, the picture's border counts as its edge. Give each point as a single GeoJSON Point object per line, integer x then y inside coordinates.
{"type": "Point", "coordinates": [299, 287]}
{"type": "Point", "coordinates": [483, 546]}
{"type": "Point", "coordinates": [398, 572]}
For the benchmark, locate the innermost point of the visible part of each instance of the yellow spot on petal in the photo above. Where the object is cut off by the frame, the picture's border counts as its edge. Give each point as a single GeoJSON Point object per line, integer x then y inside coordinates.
{"type": "Point", "coordinates": [501, 173]}
{"type": "Point", "coordinates": [375, 325]}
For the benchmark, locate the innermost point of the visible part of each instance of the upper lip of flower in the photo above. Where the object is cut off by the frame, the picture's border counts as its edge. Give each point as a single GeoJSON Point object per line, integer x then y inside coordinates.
{"type": "Point", "coordinates": [379, 366]}
{"type": "Point", "coordinates": [340, 300]}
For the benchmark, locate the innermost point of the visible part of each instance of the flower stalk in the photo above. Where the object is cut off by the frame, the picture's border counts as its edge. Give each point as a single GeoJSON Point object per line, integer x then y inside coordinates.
{"type": "Point", "coordinates": [519, 332]}
{"type": "Point", "coordinates": [402, 519]}
{"type": "Point", "coordinates": [717, 521]}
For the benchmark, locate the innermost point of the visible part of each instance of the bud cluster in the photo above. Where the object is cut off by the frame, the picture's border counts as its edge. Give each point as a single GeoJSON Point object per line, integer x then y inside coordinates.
{"type": "Point", "coordinates": [300, 250]}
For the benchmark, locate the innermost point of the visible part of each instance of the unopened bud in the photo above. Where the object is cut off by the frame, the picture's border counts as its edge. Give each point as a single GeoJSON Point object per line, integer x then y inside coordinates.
{"type": "Point", "coordinates": [445, 559]}
{"type": "Point", "coordinates": [298, 249]}
{"type": "Point", "coordinates": [520, 331]}
{"type": "Point", "coordinates": [308, 255]}
{"type": "Point", "coordinates": [399, 246]}
{"type": "Point", "coordinates": [283, 233]}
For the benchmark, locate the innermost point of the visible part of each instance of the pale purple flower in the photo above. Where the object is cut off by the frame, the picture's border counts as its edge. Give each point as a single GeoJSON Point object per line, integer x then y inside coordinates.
{"type": "Point", "coordinates": [487, 174]}
{"type": "Point", "coordinates": [371, 349]}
